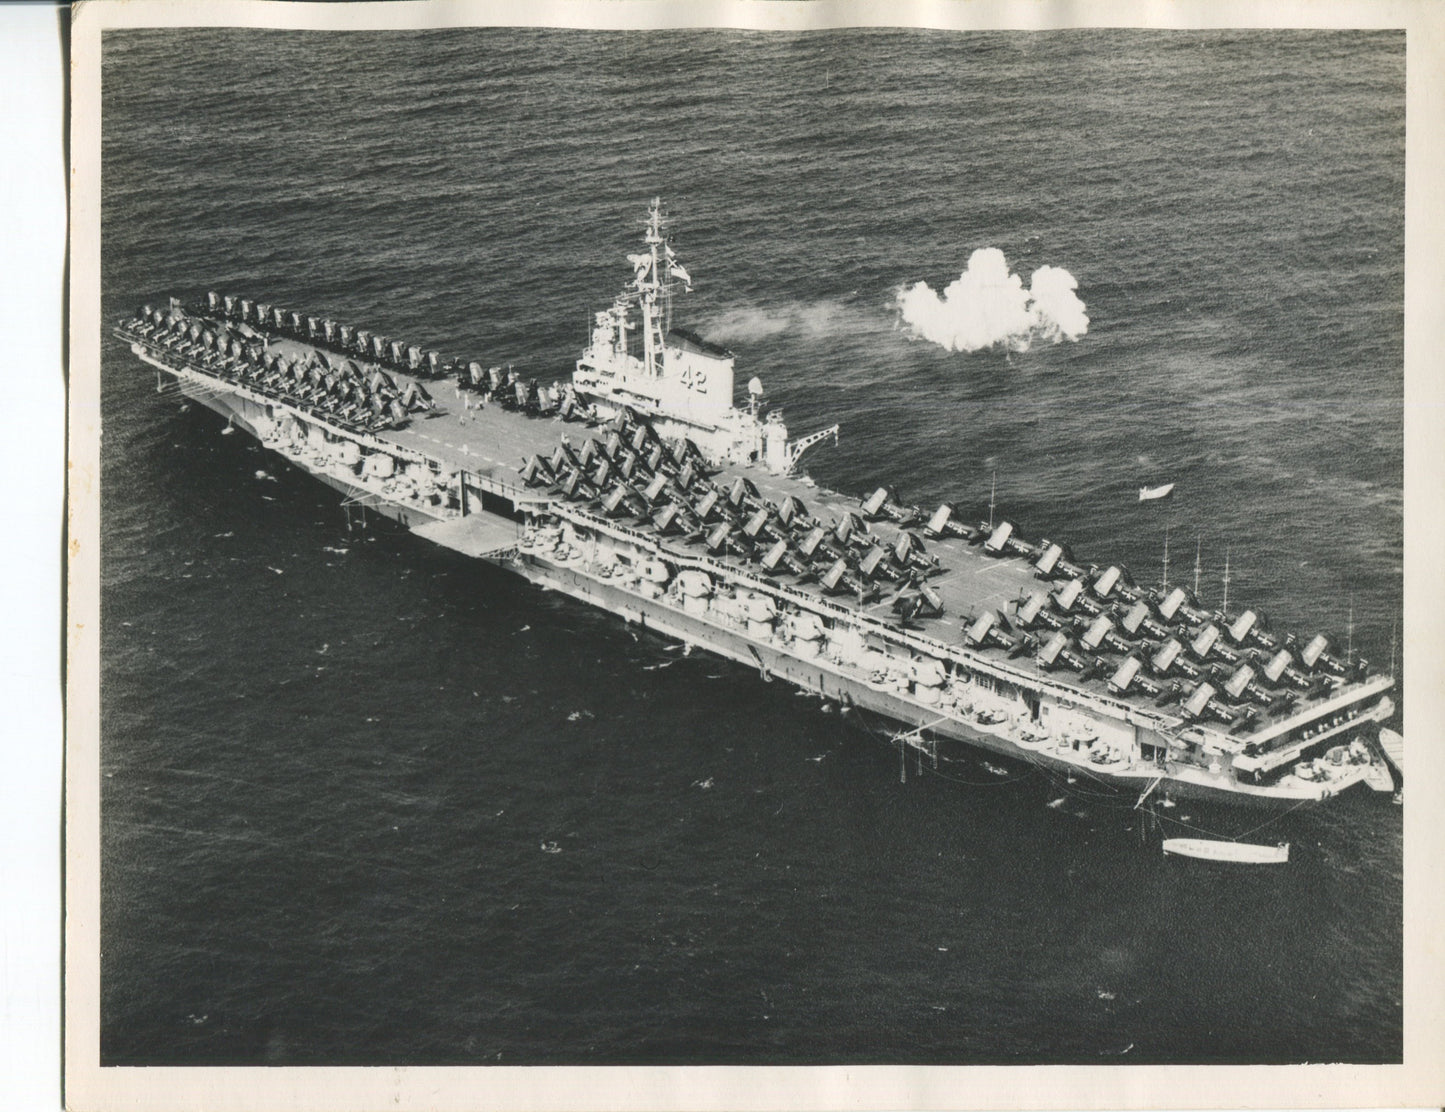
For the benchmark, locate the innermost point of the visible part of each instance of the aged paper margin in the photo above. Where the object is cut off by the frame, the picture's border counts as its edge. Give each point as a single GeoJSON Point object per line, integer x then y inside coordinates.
{"type": "Point", "coordinates": [1419, 1082]}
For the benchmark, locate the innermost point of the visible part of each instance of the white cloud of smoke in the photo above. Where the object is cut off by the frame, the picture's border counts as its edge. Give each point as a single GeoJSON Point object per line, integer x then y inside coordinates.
{"type": "Point", "coordinates": [989, 306]}
{"type": "Point", "coordinates": [819, 318]}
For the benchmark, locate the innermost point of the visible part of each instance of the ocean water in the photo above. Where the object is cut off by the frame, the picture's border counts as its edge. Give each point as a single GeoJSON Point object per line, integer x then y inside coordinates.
{"type": "Point", "coordinates": [332, 758]}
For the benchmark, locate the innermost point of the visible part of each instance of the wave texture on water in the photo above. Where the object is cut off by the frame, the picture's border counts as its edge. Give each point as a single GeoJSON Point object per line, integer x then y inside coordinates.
{"type": "Point", "coordinates": [325, 790]}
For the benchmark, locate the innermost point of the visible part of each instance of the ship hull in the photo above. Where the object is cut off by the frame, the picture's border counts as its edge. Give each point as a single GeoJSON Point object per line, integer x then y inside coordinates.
{"type": "Point", "coordinates": [828, 681]}
{"type": "Point", "coordinates": [816, 676]}
{"type": "Point", "coordinates": [919, 724]}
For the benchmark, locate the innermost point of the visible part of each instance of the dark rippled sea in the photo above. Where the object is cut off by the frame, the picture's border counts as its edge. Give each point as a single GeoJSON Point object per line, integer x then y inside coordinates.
{"type": "Point", "coordinates": [331, 759]}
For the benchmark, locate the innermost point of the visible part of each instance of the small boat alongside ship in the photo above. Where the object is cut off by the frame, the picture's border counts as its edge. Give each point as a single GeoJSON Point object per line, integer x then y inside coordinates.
{"type": "Point", "coordinates": [640, 486]}
{"type": "Point", "coordinates": [1245, 853]}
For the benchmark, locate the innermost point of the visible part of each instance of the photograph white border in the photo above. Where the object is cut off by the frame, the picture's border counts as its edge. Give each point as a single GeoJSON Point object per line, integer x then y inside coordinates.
{"type": "Point", "coordinates": [1419, 1082]}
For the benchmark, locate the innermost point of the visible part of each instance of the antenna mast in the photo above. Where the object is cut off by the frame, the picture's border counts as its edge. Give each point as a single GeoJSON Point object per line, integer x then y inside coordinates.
{"type": "Point", "coordinates": [1225, 608]}
{"type": "Point", "coordinates": [648, 288]}
{"type": "Point", "coordinates": [1350, 634]}
{"type": "Point", "coordinates": [1166, 554]}
{"type": "Point", "coordinates": [1196, 568]}
{"type": "Point", "coordinates": [992, 493]}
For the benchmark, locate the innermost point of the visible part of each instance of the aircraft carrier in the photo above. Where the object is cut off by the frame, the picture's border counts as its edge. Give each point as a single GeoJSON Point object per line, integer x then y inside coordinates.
{"type": "Point", "coordinates": [642, 487]}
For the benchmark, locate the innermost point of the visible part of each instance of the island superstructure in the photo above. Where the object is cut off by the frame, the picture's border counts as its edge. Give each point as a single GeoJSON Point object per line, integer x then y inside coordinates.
{"type": "Point", "coordinates": [640, 486]}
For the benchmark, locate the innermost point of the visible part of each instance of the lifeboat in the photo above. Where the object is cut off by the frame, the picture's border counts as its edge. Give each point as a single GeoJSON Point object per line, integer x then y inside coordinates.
{"type": "Point", "coordinates": [1209, 849]}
